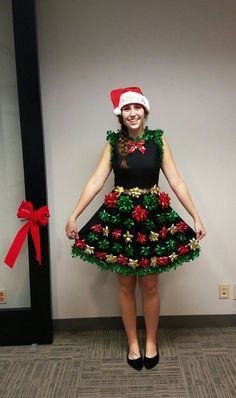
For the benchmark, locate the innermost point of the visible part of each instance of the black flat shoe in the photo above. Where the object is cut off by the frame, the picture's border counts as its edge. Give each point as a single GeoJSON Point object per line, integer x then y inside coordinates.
{"type": "Point", "coordinates": [149, 363]}
{"type": "Point", "coordinates": [135, 363]}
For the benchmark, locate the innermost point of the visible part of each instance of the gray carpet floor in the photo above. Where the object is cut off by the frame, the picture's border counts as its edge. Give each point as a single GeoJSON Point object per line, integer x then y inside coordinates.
{"type": "Point", "coordinates": [193, 363]}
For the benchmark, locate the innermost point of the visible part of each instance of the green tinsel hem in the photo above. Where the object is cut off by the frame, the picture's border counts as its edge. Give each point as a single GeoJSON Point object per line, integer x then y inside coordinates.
{"type": "Point", "coordinates": [124, 270]}
{"type": "Point", "coordinates": [155, 135]}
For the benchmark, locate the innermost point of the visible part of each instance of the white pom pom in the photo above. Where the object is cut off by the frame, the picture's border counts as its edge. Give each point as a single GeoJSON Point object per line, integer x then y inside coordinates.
{"type": "Point", "coordinates": [117, 111]}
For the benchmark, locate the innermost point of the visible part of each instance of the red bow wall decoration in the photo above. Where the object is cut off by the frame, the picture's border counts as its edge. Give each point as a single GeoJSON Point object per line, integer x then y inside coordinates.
{"type": "Point", "coordinates": [35, 219]}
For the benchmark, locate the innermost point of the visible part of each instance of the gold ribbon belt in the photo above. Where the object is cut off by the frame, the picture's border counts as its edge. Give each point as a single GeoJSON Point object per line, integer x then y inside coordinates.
{"type": "Point", "coordinates": [136, 192]}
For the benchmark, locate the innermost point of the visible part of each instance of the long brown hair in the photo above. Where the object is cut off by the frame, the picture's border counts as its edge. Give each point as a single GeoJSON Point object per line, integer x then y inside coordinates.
{"type": "Point", "coordinates": [122, 143]}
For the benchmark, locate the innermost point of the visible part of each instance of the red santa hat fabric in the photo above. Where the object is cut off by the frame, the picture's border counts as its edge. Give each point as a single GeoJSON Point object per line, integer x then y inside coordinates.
{"type": "Point", "coordinates": [129, 95]}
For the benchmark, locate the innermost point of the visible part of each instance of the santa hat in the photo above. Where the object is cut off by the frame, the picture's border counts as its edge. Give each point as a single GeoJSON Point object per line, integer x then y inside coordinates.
{"type": "Point", "coordinates": [128, 95]}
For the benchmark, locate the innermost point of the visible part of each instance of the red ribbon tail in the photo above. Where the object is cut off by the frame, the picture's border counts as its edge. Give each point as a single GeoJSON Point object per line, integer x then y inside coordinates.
{"type": "Point", "coordinates": [131, 149]}
{"type": "Point", "coordinates": [17, 245]}
{"type": "Point", "coordinates": [36, 239]}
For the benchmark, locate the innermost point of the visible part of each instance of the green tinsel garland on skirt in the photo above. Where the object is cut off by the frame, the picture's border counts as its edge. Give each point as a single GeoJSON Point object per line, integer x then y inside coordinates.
{"type": "Point", "coordinates": [136, 232]}
{"type": "Point", "coordinates": [103, 265]}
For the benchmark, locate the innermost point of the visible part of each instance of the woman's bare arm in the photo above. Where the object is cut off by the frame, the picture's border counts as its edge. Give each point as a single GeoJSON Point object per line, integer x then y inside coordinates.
{"type": "Point", "coordinates": [93, 186]}
{"type": "Point", "coordinates": [179, 187]}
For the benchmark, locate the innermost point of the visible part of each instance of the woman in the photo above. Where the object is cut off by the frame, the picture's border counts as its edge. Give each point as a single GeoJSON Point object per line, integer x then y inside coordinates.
{"type": "Point", "coordinates": [135, 232]}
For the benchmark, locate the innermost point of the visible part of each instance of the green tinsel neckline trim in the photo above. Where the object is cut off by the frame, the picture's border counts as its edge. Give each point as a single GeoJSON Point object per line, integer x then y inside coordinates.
{"type": "Point", "coordinates": [140, 137]}
{"type": "Point", "coordinates": [155, 135]}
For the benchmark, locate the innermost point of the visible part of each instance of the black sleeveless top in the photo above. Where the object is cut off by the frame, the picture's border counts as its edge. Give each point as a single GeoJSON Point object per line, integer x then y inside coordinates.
{"type": "Point", "coordinates": [143, 168]}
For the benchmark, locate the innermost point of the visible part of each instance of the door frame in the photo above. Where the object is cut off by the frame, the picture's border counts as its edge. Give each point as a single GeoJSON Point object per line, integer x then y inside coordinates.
{"type": "Point", "coordinates": [20, 326]}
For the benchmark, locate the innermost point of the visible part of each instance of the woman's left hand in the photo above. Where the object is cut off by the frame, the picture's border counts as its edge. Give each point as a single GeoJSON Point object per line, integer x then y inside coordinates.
{"type": "Point", "coordinates": [199, 229]}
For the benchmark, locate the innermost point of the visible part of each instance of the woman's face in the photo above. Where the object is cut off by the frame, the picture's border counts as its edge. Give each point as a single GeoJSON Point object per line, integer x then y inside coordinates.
{"type": "Point", "coordinates": [133, 116]}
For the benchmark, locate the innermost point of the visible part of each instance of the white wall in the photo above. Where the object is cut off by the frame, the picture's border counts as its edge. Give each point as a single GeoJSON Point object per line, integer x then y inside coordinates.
{"type": "Point", "coordinates": [182, 55]}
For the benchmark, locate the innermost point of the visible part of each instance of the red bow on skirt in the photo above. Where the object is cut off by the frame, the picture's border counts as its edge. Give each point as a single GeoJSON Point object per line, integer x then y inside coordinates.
{"type": "Point", "coordinates": [35, 219]}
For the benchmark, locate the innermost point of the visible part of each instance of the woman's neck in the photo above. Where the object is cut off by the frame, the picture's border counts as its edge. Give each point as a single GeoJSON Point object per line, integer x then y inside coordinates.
{"type": "Point", "coordinates": [136, 133]}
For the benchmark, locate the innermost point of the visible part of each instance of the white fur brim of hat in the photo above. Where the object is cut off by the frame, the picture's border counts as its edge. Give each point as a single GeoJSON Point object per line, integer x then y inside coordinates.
{"type": "Point", "coordinates": [130, 97]}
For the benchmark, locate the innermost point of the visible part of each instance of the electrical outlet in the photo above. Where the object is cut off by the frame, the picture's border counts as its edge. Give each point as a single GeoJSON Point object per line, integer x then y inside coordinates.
{"type": "Point", "coordinates": [223, 290]}
{"type": "Point", "coordinates": [234, 291]}
{"type": "Point", "coordinates": [3, 296]}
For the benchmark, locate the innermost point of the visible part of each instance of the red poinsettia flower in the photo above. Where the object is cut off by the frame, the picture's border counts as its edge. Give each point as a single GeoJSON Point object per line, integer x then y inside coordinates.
{"type": "Point", "coordinates": [163, 232]}
{"type": "Point", "coordinates": [183, 249]}
{"type": "Point", "coordinates": [80, 243]}
{"type": "Point", "coordinates": [139, 214]}
{"type": "Point", "coordinates": [116, 233]}
{"type": "Point", "coordinates": [181, 226]}
{"type": "Point", "coordinates": [96, 228]}
{"type": "Point", "coordinates": [144, 262]}
{"type": "Point", "coordinates": [110, 199]}
{"type": "Point", "coordinates": [162, 260]}
{"type": "Point", "coordinates": [101, 255]}
{"type": "Point", "coordinates": [141, 238]}
{"type": "Point", "coordinates": [122, 260]}
{"type": "Point", "coordinates": [164, 199]}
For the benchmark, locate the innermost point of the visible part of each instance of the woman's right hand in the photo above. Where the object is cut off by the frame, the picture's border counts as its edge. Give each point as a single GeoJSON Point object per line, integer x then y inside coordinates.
{"type": "Point", "coordinates": [71, 229]}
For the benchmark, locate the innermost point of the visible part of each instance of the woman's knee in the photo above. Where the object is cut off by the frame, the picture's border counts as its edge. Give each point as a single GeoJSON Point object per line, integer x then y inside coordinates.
{"type": "Point", "coordinates": [127, 284]}
{"type": "Point", "coordinates": [148, 284]}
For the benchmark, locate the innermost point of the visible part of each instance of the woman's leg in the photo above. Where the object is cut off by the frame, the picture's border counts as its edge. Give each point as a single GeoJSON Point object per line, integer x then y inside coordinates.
{"type": "Point", "coordinates": [151, 310]}
{"type": "Point", "coordinates": [127, 285]}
